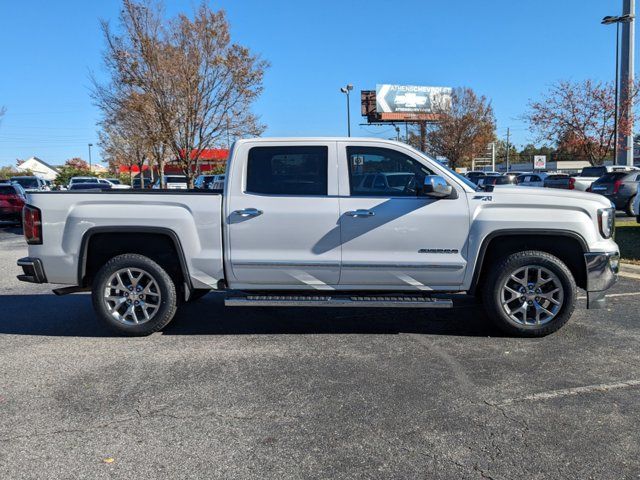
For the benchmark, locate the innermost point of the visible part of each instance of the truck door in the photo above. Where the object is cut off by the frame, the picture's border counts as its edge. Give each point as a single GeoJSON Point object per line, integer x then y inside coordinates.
{"type": "Point", "coordinates": [391, 237]}
{"type": "Point", "coordinates": [282, 216]}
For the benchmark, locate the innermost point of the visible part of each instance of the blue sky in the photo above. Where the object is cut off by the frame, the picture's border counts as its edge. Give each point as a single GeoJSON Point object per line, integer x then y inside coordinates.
{"type": "Point", "coordinates": [510, 51]}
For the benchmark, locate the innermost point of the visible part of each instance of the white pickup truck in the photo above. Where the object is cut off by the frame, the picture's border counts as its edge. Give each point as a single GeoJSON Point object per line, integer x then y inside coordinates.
{"type": "Point", "coordinates": [302, 222]}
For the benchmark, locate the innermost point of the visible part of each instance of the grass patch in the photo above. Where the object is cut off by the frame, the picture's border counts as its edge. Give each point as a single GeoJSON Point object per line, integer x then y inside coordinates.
{"type": "Point", "coordinates": [628, 239]}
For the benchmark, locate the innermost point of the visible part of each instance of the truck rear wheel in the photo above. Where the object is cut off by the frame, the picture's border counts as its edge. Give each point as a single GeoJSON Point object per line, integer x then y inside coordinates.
{"type": "Point", "coordinates": [134, 295]}
{"type": "Point", "coordinates": [530, 293]}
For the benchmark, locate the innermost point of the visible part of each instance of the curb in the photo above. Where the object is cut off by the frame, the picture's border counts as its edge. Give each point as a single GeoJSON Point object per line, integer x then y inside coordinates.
{"type": "Point", "coordinates": [629, 268]}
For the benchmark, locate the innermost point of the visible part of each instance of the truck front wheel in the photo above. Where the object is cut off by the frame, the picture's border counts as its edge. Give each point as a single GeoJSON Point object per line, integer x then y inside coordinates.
{"type": "Point", "coordinates": [530, 293]}
{"type": "Point", "coordinates": [134, 295]}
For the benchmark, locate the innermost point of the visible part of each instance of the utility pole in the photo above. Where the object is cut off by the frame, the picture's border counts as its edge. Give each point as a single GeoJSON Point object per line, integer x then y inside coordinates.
{"type": "Point", "coordinates": [625, 154]}
{"type": "Point", "coordinates": [423, 136]}
{"type": "Point", "coordinates": [508, 149]}
{"type": "Point", "coordinates": [90, 145]}
{"type": "Point", "coordinates": [493, 156]}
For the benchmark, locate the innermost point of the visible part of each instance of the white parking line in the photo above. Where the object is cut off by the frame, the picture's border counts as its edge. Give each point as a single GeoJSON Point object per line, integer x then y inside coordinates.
{"type": "Point", "coordinates": [629, 275]}
{"type": "Point", "coordinates": [566, 392]}
{"type": "Point", "coordinates": [612, 295]}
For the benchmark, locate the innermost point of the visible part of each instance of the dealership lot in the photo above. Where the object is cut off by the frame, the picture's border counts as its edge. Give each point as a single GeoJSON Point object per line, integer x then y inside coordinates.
{"type": "Point", "coordinates": [266, 393]}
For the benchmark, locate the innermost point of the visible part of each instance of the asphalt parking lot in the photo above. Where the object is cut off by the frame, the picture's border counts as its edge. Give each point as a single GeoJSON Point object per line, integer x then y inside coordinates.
{"type": "Point", "coordinates": [338, 394]}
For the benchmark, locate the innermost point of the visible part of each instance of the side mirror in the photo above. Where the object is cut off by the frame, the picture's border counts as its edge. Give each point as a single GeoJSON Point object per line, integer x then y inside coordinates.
{"type": "Point", "coordinates": [436, 186]}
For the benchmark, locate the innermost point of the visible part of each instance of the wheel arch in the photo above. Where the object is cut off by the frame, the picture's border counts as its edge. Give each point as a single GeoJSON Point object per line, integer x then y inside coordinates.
{"type": "Point", "coordinates": [166, 250]}
{"type": "Point", "coordinates": [567, 245]}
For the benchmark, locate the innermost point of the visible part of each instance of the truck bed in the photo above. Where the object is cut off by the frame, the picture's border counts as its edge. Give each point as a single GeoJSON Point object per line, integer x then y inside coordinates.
{"type": "Point", "coordinates": [193, 219]}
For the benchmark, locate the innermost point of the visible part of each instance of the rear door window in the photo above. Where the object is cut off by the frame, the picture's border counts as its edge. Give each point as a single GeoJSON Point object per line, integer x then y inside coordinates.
{"type": "Point", "coordinates": [288, 170]}
{"type": "Point", "coordinates": [611, 177]}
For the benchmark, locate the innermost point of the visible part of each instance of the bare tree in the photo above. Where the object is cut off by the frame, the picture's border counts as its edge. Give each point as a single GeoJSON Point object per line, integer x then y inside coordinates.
{"type": "Point", "coordinates": [124, 141]}
{"type": "Point", "coordinates": [465, 127]}
{"type": "Point", "coordinates": [579, 118]}
{"type": "Point", "coordinates": [196, 83]}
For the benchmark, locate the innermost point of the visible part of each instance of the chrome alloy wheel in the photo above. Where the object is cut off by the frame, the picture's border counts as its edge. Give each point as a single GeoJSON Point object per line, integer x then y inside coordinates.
{"type": "Point", "coordinates": [532, 295]}
{"type": "Point", "coordinates": [132, 296]}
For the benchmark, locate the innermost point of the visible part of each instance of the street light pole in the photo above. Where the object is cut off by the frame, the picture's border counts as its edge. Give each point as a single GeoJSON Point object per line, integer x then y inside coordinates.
{"type": "Point", "coordinates": [625, 156]}
{"type": "Point", "coordinates": [346, 91]}
{"type": "Point", "coordinates": [615, 118]}
{"type": "Point", "coordinates": [90, 145]}
{"type": "Point", "coordinates": [618, 159]}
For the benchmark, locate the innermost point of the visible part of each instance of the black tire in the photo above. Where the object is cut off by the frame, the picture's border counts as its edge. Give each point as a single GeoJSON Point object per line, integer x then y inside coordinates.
{"type": "Point", "coordinates": [500, 274]}
{"type": "Point", "coordinates": [197, 294]}
{"type": "Point", "coordinates": [629, 209]}
{"type": "Point", "coordinates": [165, 308]}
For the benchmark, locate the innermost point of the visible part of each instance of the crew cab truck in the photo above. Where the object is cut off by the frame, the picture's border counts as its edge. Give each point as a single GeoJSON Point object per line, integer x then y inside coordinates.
{"type": "Point", "coordinates": [297, 226]}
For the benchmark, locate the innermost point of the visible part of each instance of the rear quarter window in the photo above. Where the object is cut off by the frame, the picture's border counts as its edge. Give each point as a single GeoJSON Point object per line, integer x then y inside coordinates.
{"type": "Point", "coordinates": [593, 171]}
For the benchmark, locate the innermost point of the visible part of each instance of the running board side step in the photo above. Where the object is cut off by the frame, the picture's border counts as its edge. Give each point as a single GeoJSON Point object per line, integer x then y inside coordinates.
{"type": "Point", "coordinates": [359, 301]}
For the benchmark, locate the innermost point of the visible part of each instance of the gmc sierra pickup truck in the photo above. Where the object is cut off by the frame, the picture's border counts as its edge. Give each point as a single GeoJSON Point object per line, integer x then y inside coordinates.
{"type": "Point", "coordinates": [326, 222]}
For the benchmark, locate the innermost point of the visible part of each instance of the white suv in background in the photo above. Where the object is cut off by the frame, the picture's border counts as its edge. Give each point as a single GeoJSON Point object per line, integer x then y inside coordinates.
{"type": "Point", "coordinates": [113, 185]}
{"type": "Point", "coordinates": [172, 182]}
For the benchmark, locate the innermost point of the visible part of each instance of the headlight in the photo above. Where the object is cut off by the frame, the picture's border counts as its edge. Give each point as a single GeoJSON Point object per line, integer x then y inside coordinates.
{"type": "Point", "coordinates": [607, 222]}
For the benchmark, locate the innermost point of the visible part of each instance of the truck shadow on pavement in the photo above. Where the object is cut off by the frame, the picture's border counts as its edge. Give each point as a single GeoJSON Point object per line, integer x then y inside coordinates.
{"type": "Point", "coordinates": [73, 315]}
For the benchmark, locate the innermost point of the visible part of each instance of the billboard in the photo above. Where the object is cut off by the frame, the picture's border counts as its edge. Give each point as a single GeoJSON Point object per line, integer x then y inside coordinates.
{"type": "Point", "coordinates": [411, 99]}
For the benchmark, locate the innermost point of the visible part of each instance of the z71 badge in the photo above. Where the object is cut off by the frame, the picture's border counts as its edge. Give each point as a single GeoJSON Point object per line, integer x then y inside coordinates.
{"type": "Point", "coordinates": [484, 198]}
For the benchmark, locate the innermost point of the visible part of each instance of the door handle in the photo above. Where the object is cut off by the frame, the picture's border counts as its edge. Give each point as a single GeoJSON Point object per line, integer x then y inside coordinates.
{"type": "Point", "coordinates": [361, 213]}
{"type": "Point", "coordinates": [248, 212]}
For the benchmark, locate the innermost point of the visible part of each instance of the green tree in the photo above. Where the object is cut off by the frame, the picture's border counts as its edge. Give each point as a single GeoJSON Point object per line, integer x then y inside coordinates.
{"type": "Point", "coordinates": [74, 167]}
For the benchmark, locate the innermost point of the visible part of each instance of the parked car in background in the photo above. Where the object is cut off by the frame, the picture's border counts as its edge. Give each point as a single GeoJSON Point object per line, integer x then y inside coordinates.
{"type": "Point", "coordinates": [115, 183]}
{"type": "Point", "coordinates": [535, 179]}
{"type": "Point", "coordinates": [389, 182]}
{"type": "Point", "coordinates": [90, 186]}
{"type": "Point", "coordinates": [204, 182]}
{"type": "Point", "coordinates": [560, 180]}
{"type": "Point", "coordinates": [111, 182]}
{"type": "Point", "coordinates": [619, 187]}
{"type": "Point", "coordinates": [475, 175]}
{"type": "Point", "coordinates": [497, 181]}
{"type": "Point", "coordinates": [12, 199]}
{"type": "Point", "coordinates": [73, 180]}
{"type": "Point", "coordinates": [588, 175]}
{"type": "Point", "coordinates": [173, 182]}
{"type": "Point", "coordinates": [137, 183]}
{"type": "Point", "coordinates": [31, 183]}
{"type": "Point", "coordinates": [218, 183]}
